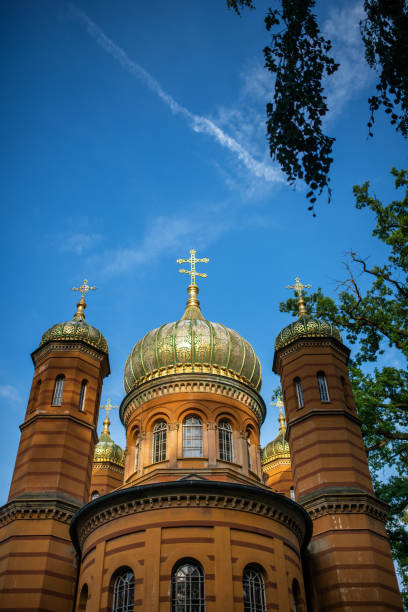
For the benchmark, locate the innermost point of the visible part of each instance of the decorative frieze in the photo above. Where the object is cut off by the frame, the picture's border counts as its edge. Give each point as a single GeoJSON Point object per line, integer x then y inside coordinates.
{"type": "Point", "coordinates": [346, 503]}
{"type": "Point", "coordinates": [37, 510]}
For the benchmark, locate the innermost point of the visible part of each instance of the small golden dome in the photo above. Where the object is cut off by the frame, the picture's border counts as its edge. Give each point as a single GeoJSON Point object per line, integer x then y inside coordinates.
{"type": "Point", "coordinates": [106, 450]}
{"type": "Point", "coordinates": [192, 344]}
{"type": "Point", "coordinates": [306, 327]}
{"type": "Point", "coordinates": [279, 447]}
{"type": "Point", "coordinates": [77, 329]}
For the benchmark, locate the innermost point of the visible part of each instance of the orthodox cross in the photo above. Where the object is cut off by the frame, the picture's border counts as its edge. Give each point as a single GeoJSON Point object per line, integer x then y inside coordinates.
{"type": "Point", "coordinates": [108, 407]}
{"type": "Point", "coordinates": [84, 288]}
{"type": "Point", "coordinates": [279, 404]}
{"type": "Point", "coordinates": [192, 261]}
{"type": "Point", "coordinates": [298, 286]}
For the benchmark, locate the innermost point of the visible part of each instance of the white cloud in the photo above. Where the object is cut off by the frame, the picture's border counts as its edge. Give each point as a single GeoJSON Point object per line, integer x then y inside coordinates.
{"type": "Point", "coordinates": [343, 29]}
{"type": "Point", "coordinates": [198, 123]}
{"type": "Point", "coordinates": [8, 392]}
{"type": "Point", "coordinates": [79, 243]}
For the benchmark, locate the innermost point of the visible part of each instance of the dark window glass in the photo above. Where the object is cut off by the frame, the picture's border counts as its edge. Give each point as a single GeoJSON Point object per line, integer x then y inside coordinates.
{"type": "Point", "coordinates": [187, 587]}
{"type": "Point", "coordinates": [123, 592]}
{"type": "Point", "coordinates": [83, 598]}
{"type": "Point", "coordinates": [192, 437]}
{"type": "Point", "coordinates": [225, 441]}
{"type": "Point", "coordinates": [299, 392]}
{"type": "Point", "coordinates": [95, 494]}
{"type": "Point", "coordinates": [159, 441]}
{"type": "Point", "coordinates": [81, 403]}
{"type": "Point", "coordinates": [58, 390]}
{"type": "Point", "coordinates": [137, 456]}
{"type": "Point", "coordinates": [254, 590]}
{"type": "Point", "coordinates": [322, 384]}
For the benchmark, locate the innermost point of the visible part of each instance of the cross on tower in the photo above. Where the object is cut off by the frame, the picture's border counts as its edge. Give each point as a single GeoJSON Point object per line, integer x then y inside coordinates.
{"type": "Point", "coordinates": [84, 288]}
{"type": "Point", "coordinates": [279, 404]}
{"type": "Point", "coordinates": [192, 261]}
{"type": "Point", "coordinates": [108, 407]}
{"type": "Point", "coordinates": [298, 286]}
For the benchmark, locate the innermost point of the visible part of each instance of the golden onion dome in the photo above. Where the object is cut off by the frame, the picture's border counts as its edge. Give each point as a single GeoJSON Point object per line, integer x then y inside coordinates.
{"type": "Point", "coordinates": [106, 451]}
{"type": "Point", "coordinates": [192, 344]}
{"type": "Point", "coordinates": [279, 447]}
{"type": "Point", "coordinates": [77, 329]}
{"type": "Point", "coordinates": [306, 327]}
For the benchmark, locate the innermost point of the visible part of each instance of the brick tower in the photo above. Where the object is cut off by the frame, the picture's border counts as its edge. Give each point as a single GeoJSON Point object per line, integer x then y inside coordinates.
{"type": "Point", "coordinates": [53, 467]}
{"type": "Point", "coordinates": [349, 555]}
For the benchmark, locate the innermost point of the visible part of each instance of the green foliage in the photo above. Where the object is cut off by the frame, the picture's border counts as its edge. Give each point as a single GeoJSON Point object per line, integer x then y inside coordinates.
{"type": "Point", "coordinates": [385, 36]}
{"type": "Point", "coordinates": [372, 318]}
{"type": "Point", "coordinates": [299, 58]}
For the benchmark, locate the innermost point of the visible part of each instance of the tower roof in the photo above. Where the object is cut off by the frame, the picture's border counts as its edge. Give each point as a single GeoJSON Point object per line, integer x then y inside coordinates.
{"type": "Point", "coordinates": [192, 344]}
{"type": "Point", "coordinates": [106, 451]}
{"type": "Point", "coordinates": [279, 447]}
{"type": "Point", "coordinates": [77, 328]}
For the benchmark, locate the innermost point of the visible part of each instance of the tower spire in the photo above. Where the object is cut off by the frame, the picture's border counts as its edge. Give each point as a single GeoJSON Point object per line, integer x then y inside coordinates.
{"type": "Point", "coordinates": [279, 404]}
{"type": "Point", "coordinates": [107, 407]}
{"type": "Point", "coordinates": [81, 305]}
{"type": "Point", "coordinates": [298, 287]}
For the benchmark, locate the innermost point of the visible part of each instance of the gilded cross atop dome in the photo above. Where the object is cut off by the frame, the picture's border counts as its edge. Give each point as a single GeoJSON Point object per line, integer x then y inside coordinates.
{"type": "Point", "coordinates": [193, 261]}
{"type": "Point", "coordinates": [107, 407]}
{"type": "Point", "coordinates": [298, 287]}
{"type": "Point", "coordinates": [84, 288]}
{"type": "Point", "coordinates": [279, 404]}
{"type": "Point", "coordinates": [193, 305]}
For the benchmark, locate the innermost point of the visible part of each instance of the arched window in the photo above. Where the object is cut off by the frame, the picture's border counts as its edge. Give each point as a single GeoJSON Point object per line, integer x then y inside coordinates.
{"type": "Point", "coordinates": [83, 598]}
{"type": "Point", "coordinates": [292, 493]}
{"type": "Point", "coordinates": [322, 384]}
{"type": "Point", "coordinates": [137, 455]}
{"type": "Point", "coordinates": [159, 441]}
{"type": "Point", "coordinates": [81, 403]}
{"type": "Point", "coordinates": [95, 494]}
{"type": "Point", "coordinates": [192, 437]}
{"type": "Point", "coordinates": [225, 440]}
{"type": "Point", "coordinates": [254, 589]}
{"type": "Point", "coordinates": [299, 392]}
{"type": "Point", "coordinates": [124, 591]}
{"type": "Point", "coordinates": [296, 595]}
{"type": "Point", "coordinates": [248, 449]}
{"type": "Point", "coordinates": [58, 390]}
{"type": "Point", "coordinates": [187, 587]}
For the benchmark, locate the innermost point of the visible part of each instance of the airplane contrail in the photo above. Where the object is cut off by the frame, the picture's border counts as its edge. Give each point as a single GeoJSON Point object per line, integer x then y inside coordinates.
{"type": "Point", "coordinates": [197, 123]}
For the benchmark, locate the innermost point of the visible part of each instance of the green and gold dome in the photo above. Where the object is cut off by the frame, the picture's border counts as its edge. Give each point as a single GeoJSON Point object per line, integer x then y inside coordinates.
{"type": "Point", "coordinates": [305, 326]}
{"type": "Point", "coordinates": [106, 451]}
{"type": "Point", "coordinates": [77, 328]}
{"type": "Point", "coordinates": [192, 344]}
{"type": "Point", "coordinates": [279, 447]}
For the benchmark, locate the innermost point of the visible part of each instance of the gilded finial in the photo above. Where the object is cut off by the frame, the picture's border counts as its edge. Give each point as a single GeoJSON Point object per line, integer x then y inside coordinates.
{"type": "Point", "coordinates": [193, 305]}
{"type": "Point", "coordinates": [81, 305]}
{"type": "Point", "coordinates": [279, 404]}
{"type": "Point", "coordinates": [107, 407]}
{"type": "Point", "coordinates": [298, 287]}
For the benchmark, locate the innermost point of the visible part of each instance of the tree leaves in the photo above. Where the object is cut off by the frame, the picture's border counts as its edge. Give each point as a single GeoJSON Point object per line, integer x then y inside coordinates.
{"type": "Point", "coordinates": [299, 58]}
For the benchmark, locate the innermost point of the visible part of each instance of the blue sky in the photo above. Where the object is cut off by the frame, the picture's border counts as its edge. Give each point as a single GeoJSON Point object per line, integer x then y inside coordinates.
{"type": "Point", "coordinates": [132, 132]}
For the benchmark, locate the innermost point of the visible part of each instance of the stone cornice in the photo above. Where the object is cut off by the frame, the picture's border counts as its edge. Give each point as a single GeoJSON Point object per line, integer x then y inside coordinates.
{"type": "Point", "coordinates": [190, 493]}
{"type": "Point", "coordinates": [313, 412]}
{"type": "Point", "coordinates": [36, 509]}
{"type": "Point", "coordinates": [346, 502]}
{"type": "Point", "coordinates": [192, 383]}
{"type": "Point", "coordinates": [107, 465]}
{"type": "Point", "coordinates": [75, 345]}
{"type": "Point", "coordinates": [302, 343]}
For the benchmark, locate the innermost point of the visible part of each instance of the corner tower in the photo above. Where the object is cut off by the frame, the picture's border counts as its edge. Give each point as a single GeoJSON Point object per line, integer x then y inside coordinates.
{"type": "Point", "coordinates": [350, 560]}
{"type": "Point", "coordinates": [53, 466]}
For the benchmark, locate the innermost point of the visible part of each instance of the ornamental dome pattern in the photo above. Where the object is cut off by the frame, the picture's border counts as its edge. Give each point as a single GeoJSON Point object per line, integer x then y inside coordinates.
{"type": "Point", "coordinates": [76, 330]}
{"type": "Point", "coordinates": [192, 344]}
{"type": "Point", "coordinates": [107, 451]}
{"type": "Point", "coordinates": [306, 327]}
{"type": "Point", "coordinates": [277, 449]}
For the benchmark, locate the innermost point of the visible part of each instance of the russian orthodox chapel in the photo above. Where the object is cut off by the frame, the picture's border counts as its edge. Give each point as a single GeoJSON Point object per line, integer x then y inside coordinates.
{"type": "Point", "coordinates": [193, 516]}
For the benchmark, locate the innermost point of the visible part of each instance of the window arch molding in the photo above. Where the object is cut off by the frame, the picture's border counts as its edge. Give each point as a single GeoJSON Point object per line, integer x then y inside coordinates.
{"type": "Point", "coordinates": [253, 585]}
{"type": "Point", "coordinates": [122, 590]}
{"type": "Point", "coordinates": [187, 586]}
